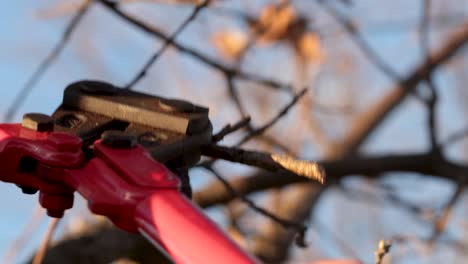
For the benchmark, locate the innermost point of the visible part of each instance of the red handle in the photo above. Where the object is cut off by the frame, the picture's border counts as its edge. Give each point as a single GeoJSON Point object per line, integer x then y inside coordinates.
{"type": "Point", "coordinates": [169, 220]}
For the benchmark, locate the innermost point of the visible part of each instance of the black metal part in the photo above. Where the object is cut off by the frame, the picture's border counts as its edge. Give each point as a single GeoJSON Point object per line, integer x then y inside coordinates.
{"type": "Point", "coordinates": [28, 190]}
{"type": "Point", "coordinates": [183, 174]}
{"type": "Point", "coordinates": [157, 112]}
{"type": "Point", "coordinates": [118, 139]}
{"type": "Point", "coordinates": [172, 130]}
{"type": "Point", "coordinates": [38, 122]}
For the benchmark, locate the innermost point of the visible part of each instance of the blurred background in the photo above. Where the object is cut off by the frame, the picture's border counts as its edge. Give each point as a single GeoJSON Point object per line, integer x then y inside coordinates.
{"type": "Point", "coordinates": [350, 54]}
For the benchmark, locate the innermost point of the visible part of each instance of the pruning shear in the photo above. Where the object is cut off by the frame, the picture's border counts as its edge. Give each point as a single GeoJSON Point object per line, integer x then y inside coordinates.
{"type": "Point", "coordinates": [128, 155]}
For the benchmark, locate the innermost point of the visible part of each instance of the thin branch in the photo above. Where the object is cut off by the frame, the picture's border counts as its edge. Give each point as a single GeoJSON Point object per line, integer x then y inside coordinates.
{"type": "Point", "coordinates": [169, 41]}
{"type": "Point", "coordinates": [300, 228]}
{"type": "Point", "coordinates": [422, 163]}
{"type": "Point", "coordinates": [228, 129]}
{"type": "Point", "coordinates": [431, 101]}
{"type": "Point", "coordinates": [366, 122]}
{"type": "Point", "coordinates": [383, 249]}
{"type": "Point", "coordinates": [455, 137]}
{"type": "Point", "coordinates": [40, 254]}
{"type": "Point", "coordinates": [112, 7]}
{"type": "Point", "coordinates": [24, 237]}
{"type": "Point", "coordinates": [234, 94]}
{"type": "Point", "coordinates": [274, 120]}
{"type": "Point", "coordinates": [47, 62]}
{"type": "Point", "coordinates": [212, 150]}
{"type": "Point", "coordinates": [272, 162]}
{"type": "Point", "coordinates": [440, 224]}
{"type": "Point", "coordinates": [360, 41]}
{"type": "Point", "coordinates": [271, 140]}
{"type": "Point", "coordinates": [383, 196]}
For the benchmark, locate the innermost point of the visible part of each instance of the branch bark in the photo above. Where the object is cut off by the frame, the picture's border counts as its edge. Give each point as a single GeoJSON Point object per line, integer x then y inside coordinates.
{"type": "Point", "coordinates": [363, 126]}
{"type": "Point", "coordinates": [424, 163]}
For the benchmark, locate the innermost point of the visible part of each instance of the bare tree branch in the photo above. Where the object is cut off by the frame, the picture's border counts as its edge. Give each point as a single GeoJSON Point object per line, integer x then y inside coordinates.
{"type": "Point", "coordinates": [169, 41]}
{"type": "Point", "coordinates": [228, 129]}
{"type": "Point", "coordinates": [362, 127]}
{"type": "Point", "coordinates": [45, 65]}
{"type": "Point", "coordinates": [299, 228]}
{"type": "Point", "coordinates": [272, 162]}
{"type": "Point", "coordinates": [111, 6]}
{"type": "Point", "coordinates": [360, 41]}
{"type": "Point", "coordinates": [431, 101]}
{"type": "Point", "coordinates": [424, 163]}
{"type": "Point", "coordinates": [440, 224]}
{"type": "Point", "coordinates": [40, 254]}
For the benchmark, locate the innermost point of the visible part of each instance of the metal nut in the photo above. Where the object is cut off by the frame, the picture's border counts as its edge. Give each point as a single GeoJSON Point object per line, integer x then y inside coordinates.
{"type": "Point", "coordinates": [55, 213]}
{"type": "Point", "coordinates": [118, 139]}
{"type": "Point", "coordinates": [55, 204]}
{"type": "Point", "coordinates": [38, 122]}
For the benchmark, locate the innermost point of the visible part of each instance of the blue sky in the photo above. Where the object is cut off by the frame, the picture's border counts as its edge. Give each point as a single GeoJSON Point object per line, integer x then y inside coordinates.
{"type": "Point", "coordinates": [105, 48]}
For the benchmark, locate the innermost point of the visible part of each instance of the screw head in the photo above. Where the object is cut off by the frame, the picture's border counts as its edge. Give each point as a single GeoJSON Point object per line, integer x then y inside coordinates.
{"type": "Point", "coordinates": [38, 122]}
{"type": "Point", "coordinates": [118, 139]}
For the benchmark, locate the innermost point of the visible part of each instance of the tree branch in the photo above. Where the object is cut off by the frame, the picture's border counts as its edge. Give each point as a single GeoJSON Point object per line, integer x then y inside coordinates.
{"type": "Point", "coordinates": [112, 7]}
{"type": "Point", "coordinates": [45, 65]}
{"type": "Point", "coordinates": [423, 163]}
{"type": "Point", "coordinates": [168, 42]}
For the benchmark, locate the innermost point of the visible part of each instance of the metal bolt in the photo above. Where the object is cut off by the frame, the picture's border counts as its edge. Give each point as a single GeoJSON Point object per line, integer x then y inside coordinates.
{"type": "Point", "coordinates": [56, 204]}
{"type": "Point", "coordinates": [38, 122]}
{"type": "Point", "coordinates": [118, 139]}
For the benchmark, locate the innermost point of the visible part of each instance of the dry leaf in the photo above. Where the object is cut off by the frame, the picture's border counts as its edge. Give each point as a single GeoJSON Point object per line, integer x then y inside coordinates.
{"type": "Point", "coordinates": [273, 23]}
{"type": "Point", "coordinates": [230, 43]}
{"type": "Point", "coordinates": [308, 46]}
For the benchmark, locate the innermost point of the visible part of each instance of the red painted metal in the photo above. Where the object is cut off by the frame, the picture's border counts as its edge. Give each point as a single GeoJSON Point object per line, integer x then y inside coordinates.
{"type": "Point", "coordinates": [169, 219]}
{"type": "Point", "coordinates": [135, 192]}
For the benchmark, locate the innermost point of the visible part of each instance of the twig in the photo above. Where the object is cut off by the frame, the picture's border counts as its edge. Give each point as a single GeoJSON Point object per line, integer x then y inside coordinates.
{"type": "Point", "coordinates": [40, 254]}
{"type": "Point", "coordinates": [21, 241]}
{"type": "Point", "coordinates": [366, 122]}
{"type": "Point", "coordinates": [46, 63]}
{"type": "Point", "coordinates": [234, 94]}
{"type": "Point", "coordinates": [168, 42]}
{"type": "Point", "coordinates": [440, 224]}
{"type": "Point", "coordinates": [256, 132]}
{"type": "Point", "coordinates": [272, 162]}
{"type": "Point", "coordinates": [271, 140]}
{"type": "Point", "coordinates": [431, 101]}
{"type": "Point", "coordinates": [382, 196]}
{"type": "Point", "coordinates": [336, 170]}
{"type": "Point", "coordinates": [384, 248]}
{"type": "Point", "coordinates": [360, 41]}
{"type": "Point", "coordinates": [111, 6]}
{"type": "Point", "coordinates": [228, 129]}
{"type": "Point", "coordinates": [300, 228]}
{"type": "Point", "coordinates": [283, 112]}
{"type": "Point", "coordinates": [455, 137]}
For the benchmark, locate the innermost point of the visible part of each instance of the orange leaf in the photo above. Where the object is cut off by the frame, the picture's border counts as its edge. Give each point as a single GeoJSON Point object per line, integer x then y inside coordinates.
{"type": "Point", "coordinates": [230, 43]}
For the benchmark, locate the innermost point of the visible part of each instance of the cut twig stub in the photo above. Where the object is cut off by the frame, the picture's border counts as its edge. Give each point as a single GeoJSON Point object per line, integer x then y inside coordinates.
{"type": "Point", "coordinates": [304, 168]}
